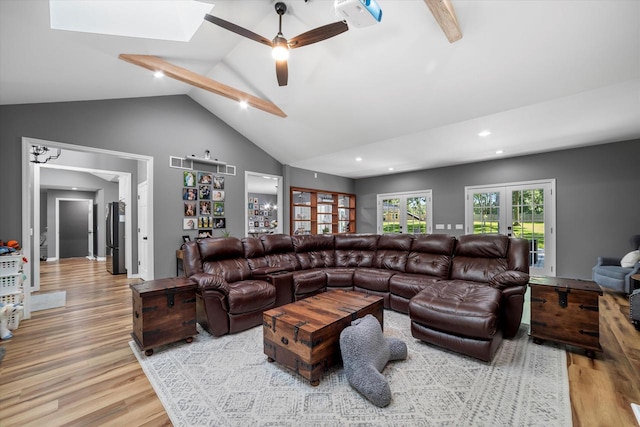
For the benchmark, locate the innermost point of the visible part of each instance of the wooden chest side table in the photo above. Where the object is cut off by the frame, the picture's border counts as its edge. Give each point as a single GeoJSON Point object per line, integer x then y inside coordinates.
{"type": "Point", "coordinates": [566, 311]}
{"type": "Point", "coordinates": [164, 311]}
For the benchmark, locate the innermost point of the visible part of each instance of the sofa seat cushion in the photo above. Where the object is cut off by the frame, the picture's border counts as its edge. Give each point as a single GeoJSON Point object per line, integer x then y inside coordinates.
{"type": "Point", "coordinates": [409, 285]}
{"type": "Point", "coordinates": [339, 276]}
{"type": "Point", "coordinates": [459, 308]}
{"type": "Point", "coordinates": [374, 279]}
{"type": "Point", "coordinates": [307, 281]}
{"type": "Point", "coordinates": [250, 295]}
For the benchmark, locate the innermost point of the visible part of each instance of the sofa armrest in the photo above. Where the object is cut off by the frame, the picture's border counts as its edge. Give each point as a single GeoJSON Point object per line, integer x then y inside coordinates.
{"type": "Point", "coordinates": [207, 282]}
{"type": "Point", "coordinates": [512, 307]}
{"type": "Point", "coordinates": [508, 279]}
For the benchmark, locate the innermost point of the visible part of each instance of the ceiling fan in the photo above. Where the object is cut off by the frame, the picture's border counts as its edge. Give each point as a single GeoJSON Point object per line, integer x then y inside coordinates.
{"type": "Point", "coordinates": [280, 45]}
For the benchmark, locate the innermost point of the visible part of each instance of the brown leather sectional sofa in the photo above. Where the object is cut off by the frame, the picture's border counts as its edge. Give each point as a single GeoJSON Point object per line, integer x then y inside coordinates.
{"type": "Point", "coordinates": [464, 294]}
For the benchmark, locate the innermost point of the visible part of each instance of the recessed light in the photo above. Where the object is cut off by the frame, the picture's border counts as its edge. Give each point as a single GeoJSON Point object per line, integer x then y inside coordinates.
{"type": "Point", "coordinates": [358, 159]}
{"type": "Point", "coordinates": [158, 74]}
{"type": "Point", "coordinates": [390, 169]}
{"type": "Point", "coordinates": [499, 152]}
{"type": "Point", "coordinates": [484, 133]}
{"type": "Point", "coordinates": [244, 105]}
{"type": "Point", "coordinates": [74, 188]}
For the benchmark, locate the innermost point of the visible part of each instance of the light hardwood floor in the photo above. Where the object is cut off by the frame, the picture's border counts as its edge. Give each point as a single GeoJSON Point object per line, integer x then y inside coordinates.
{"type": "Point", "coordinates": [73, 365]}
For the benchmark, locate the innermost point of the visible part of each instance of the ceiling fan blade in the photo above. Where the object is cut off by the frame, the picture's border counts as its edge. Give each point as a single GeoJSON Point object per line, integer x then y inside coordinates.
{"type": "Point", "coordinates": [237, 29]}
{"type": "Point", "coordinates": [318, 34]}
{"type": "Point", "coordinates": [282, 72]}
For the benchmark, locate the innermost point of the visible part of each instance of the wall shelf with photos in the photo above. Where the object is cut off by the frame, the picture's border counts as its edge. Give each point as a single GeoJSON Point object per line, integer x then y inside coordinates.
{"type": "Point", "coordinates": [322, 212]}
{"type": "Point", "coordinates": [203, 200]}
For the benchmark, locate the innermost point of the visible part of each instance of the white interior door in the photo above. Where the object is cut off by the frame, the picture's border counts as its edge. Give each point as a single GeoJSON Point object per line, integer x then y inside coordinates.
{"type": "Point", "coordinates": [524, 210]}
{"type": "Point", "coordinates": [143, 235]}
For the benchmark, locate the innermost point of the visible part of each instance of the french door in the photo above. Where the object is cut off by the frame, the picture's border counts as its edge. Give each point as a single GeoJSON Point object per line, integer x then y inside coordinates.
{"type": "Point", "coordinates": [409, 213]}
{"type": "Point", "coordinates": [525, 210]}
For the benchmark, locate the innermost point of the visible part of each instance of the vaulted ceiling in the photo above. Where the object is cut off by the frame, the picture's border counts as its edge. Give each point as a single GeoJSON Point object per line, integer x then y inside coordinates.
{"type": "Point", "coordinates": [540, 75]}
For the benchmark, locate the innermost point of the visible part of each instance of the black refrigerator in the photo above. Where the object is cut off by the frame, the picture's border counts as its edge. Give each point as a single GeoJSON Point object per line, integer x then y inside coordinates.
{"type": "Point", "coordinates": [115, 239]}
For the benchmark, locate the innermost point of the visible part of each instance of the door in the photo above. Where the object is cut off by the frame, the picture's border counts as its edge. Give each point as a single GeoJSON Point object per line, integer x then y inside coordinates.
{"type": "Point", "coordinates": [405, 213]}
{"type": "Point", "coordinates": [524, 210]}
{"type": "Point", "coordinates": [74, 228]}
{"type": "Point", "coordinates": [143, 236]}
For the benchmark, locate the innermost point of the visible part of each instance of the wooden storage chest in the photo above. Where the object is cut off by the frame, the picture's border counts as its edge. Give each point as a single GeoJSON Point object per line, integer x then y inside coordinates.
{"type": "Point", "coordinates": [566, 311]}
{"type": "Point", "coordinates": [304, 336]}
{"type": "Point", "coordinates": [164, 311]}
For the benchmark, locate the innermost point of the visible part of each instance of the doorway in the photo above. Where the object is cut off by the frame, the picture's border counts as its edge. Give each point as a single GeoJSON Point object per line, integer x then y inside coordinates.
{"type": "Point", "coordinates": [74, 228]}
{"type": "Point", "coordinates": [408, 212]}
{"type": "Point", "coordinates": [31, 202]}
{"type": "Point", "coordinates": [523, 209]}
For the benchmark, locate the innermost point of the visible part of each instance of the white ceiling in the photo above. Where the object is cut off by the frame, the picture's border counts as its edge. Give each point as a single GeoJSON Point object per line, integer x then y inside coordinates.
{"type": "Point", "coordinates": [541, 75]}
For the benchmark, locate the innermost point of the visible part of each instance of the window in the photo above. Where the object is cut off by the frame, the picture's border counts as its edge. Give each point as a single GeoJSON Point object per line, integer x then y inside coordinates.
{"type": "Point", "coordinates": [525, 210]}
{"type": "Point", "coordinates": [409, 212]}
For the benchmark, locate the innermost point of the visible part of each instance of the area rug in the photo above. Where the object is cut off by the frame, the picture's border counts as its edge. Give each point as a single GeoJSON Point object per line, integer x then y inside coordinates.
{"type": "Point", "coordinates": [227, 381]}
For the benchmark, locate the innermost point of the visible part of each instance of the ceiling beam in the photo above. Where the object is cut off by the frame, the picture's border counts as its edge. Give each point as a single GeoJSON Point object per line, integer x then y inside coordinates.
{"type": "Point", "coordinates": [445, 15]}
{"type": "Point", "coordinates": [154, 63]}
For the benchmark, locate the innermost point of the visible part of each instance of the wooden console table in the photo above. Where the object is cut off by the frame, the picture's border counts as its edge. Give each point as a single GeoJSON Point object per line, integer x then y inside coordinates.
{"type": "Point", "coordinates": [566, 311]}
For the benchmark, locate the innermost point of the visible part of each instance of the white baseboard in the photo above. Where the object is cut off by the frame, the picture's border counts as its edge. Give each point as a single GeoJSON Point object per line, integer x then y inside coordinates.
{"type": "Point", "coordinates": [52, 259]}
{"type": "Point", "coordinates": [101, 258]}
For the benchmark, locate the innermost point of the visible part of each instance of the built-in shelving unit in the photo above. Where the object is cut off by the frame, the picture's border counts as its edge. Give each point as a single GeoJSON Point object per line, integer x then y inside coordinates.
{"type": "Point", "coordinates": [322, 212]}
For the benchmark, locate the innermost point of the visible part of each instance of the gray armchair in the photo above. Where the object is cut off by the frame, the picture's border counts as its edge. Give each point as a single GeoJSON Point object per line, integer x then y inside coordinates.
{"type": "Point", "coordinates": [608, 273]}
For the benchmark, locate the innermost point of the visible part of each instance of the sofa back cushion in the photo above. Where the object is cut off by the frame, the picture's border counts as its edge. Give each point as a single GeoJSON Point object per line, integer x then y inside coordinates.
{"type": "Point", "coordinates": [279, 251]}
{"type": "Point", "coordinates": [254, 253]}
{"type": "Point", "coordinates": [355, 250]}
{"type": "Point", "coordinates": [392, 251]}
{"type": "Point", "coordinates": [431, 255]}
{"type": "Point", "coordinates": [224, 256]}
{"type": "Point", "coordinates": [314, 250]}
{"type": "Point", "coordinates": [478, 257]}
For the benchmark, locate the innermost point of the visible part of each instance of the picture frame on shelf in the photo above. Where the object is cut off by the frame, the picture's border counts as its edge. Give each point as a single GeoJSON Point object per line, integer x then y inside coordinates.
{"type": "Point", "coordinates": [218, 208]}
{"type": "Point", "coordinates": [189, 193]}
{"type": "Point", "coordinates": [218, 182]}
{"type": "Point", "coordinates": [204, 178]}
{"type": "Point", "coordinates": [204, 192]}
{"type": "Point", "coordinates": [189, 208]}
{"type": "Point", "coordinates": [189, 178]}
{"type": "Point", "coordinates": [203, 234]}
{"type": "Point", "coordinates": [205, 207]}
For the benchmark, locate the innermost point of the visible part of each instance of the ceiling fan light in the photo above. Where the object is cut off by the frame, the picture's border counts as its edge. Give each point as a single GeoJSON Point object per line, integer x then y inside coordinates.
{"type": "Point", "coordinates": [280, 51]}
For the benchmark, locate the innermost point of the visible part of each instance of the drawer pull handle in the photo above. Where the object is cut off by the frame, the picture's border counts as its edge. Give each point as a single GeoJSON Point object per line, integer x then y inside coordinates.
{"type": "Point", "coordinates": [589, 307]}
{"type": "Point", "coordinates": [590, 333]}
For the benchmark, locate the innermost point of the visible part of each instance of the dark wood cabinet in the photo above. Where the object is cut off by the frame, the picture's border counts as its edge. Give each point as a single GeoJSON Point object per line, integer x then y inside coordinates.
{"type": "Point", "coordinates": [164, 311]}
{"type": "Point", "coordinates": [322, 212]}
{"type": "Point", "coordinates": [566, 311]}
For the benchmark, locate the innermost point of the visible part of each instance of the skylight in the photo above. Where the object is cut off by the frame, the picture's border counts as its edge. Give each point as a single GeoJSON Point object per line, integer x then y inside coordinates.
{"type": "Point", "coordinates": [175, 20]}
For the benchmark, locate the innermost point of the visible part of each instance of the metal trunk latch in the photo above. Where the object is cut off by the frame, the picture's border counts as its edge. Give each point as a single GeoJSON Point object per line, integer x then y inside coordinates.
{"type": "Point", "coordinates": [562, 296]}
{"type": "Point", "coordinates": [170, 293]}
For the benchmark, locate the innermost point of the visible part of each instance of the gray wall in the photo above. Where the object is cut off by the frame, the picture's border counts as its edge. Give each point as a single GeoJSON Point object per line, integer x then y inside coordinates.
{"type": "Point", "coordinates": [597, 197]}
{"type": "Point", "coordinates": [157, 126]}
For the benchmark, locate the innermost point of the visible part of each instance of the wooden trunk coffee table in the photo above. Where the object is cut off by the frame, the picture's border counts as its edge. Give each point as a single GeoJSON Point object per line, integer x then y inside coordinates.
{"type": "Point", "coordinates": [304, 336]}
